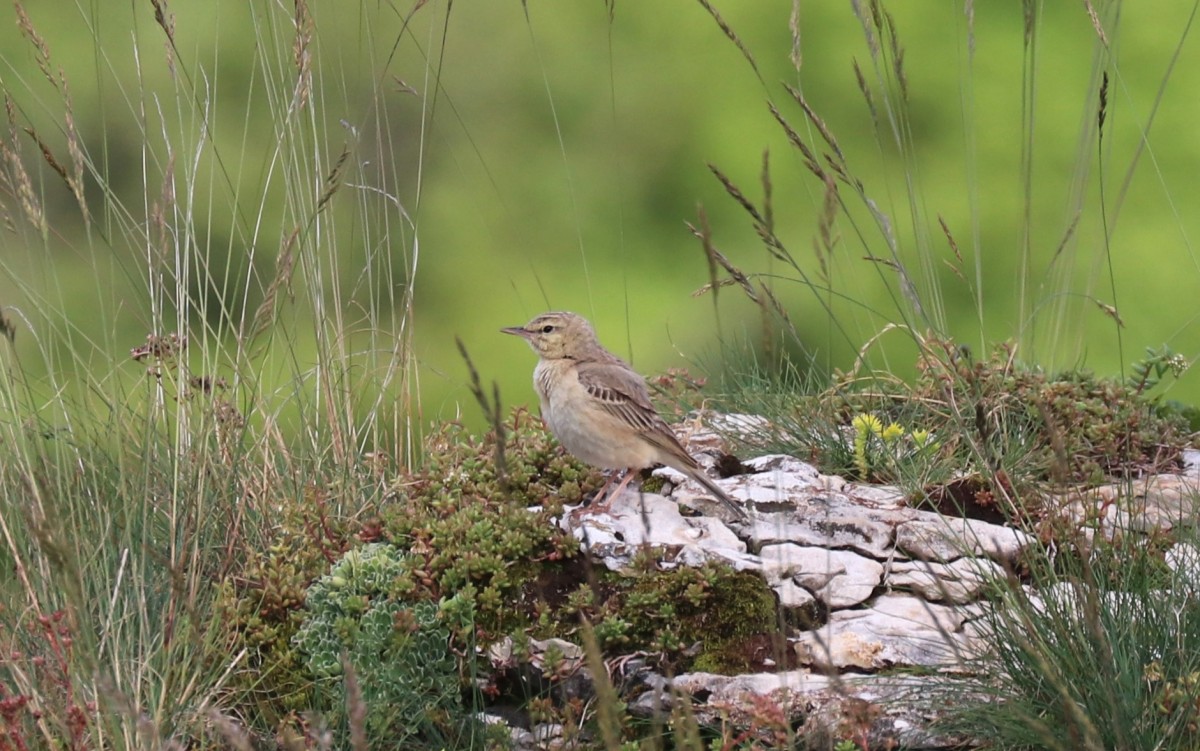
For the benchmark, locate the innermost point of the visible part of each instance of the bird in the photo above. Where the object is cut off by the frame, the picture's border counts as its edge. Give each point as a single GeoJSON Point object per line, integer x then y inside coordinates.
{"type": "Point", "coordinates": [598, 407]}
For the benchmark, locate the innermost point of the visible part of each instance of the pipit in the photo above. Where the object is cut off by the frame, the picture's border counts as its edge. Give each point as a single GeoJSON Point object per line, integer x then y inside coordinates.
{"type": "Point", "coordinates": [598, 407]}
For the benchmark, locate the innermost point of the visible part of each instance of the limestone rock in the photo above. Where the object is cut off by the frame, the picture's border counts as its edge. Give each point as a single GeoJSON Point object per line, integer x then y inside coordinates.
{"type": "Point", "coordinates": [1148, 504]}
{"type": "Point", "coordinates": [877, 496]}
{"type": "Point", "coordinates": [840, 578]}
{"type": "Point", "coordinates": [792, 596]}
{"type": "Point", "coordinates": [959, 581]}
{"type": "Point", "coordinates": [895, 709]}
{"type": "Point", "coordinates": [634, 520]}
{"type": "Point", "coordinates": [830, 520]}
{"type": "Point", "coordinates": [1184, 559]}
{"type": "Point", "coordinates": [895, 630]}
{"type": "Point", "coordinates": [932, 537]}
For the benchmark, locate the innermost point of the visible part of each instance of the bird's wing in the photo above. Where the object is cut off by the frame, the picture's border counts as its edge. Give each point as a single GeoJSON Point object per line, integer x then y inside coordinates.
{"type": "Point", "coordinates": [620, 391]}
{"type": "Point", "coordinates": [623, 393]}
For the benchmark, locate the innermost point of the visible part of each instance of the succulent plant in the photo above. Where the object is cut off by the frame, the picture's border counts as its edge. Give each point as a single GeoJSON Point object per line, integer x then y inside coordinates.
{"type": "Point", "coordinates": [397, 654]}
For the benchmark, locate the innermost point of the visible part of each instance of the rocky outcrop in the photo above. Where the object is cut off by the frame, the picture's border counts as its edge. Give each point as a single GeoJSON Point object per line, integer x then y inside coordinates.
{"type": "Point", "coordinates": [876, 585]}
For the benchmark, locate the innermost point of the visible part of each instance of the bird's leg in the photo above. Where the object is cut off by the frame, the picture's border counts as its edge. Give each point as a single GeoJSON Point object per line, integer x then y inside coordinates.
{"type": "Point", "coordinates": [629, 473]}
{"type": "Point", "coordinates": [602, 501]}
{"type": "Point", "coordinates": [599, 494]}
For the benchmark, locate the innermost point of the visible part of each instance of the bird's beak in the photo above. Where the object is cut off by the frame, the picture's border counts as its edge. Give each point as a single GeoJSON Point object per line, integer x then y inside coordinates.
{"type": "Point", "coordinates": [516, 331]}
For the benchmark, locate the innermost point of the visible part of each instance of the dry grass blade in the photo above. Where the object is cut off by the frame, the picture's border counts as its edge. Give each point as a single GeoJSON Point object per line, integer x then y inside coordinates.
{"type": "Point", "coordinates": [825, 225]}
{"type": "Point", "coordinates": [705, 235]}
{"type": "Point", "coordinates": [164, 19]}
{"type": "Point", "coordinates": [715, 256]}
{"type": "Point", "coordinates": [817, 122]}
{"type": "Point", "coordinates": [762, 225]}
{"type": "Point", "coordinates": [607, 699]}
{"type": "Point", "coordinates": [1102, 111]}
{"type": "Point", "coordinates": [40, 48]}
{"type": "Point", "coordinates": [774, 245]}
{"type": "Point", "coordinates": [48, 155]}
{"type": "Point", "coordinates": [869, 23]}
{"type": "Point", "coordinates": [768, 211]}
{"type": "Point", "coordinates": [230, 731]}
{"type": "Point", "coordinates": [491, 410]}
{"type": "Point", "coordinates": [334, 180]}
{"type": "Point", "coordinates": [302, 55]}
{"type": "Point", "coordinates": [75, 181]}
{"type": "Point", "coordinates": [736, 193]}
{"type": "Point", "coordinates": [265, 313]}
{"type": "Point", "coordinates": [356, 709]}
{"type": "Point", "coordinates": [732, 35]}
{"type": "Point", "coordinates": [16, 177]}
{"type": "Point", "coordinates": [1062, 245]}
{"type": "Point", "coordinates": [897, 53]}
{"type": "Point", "coordinates": [794, 27]}
{"type": "Point", "coordinates": [969, 12]}
{"type": "Point", "coordinates": [810, 158]}
{"type": "Point", "coordinates": [956, 268]}
{"type": "Point", "coordinates": [777, 306]}
{"type": "Point", "coordinates": [950, 238]}
{"type": "Point", "coordinates": [865, 88]}
{"type": "Point", "coordinates": [1111, 312]}
{"type": "Point", "coordinates": [1091, 11]}
{"type": "Point", "coordinates": [893, 265]}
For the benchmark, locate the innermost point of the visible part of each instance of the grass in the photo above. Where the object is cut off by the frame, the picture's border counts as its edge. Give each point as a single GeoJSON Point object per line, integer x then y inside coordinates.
{"type": "Point", "coordinates": [1099, 655]}
{"type": "Point", "coordinates": [188, 529]}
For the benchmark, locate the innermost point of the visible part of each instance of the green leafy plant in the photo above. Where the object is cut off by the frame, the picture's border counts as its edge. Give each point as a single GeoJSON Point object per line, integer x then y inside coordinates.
{"type": "Point", "coordinates": [357, 632]}
{"type": "Point", "coordinates": [1099, 654]}
{"type": "Point", "coordinates": [882, 453]}
{"type": "Point", "coordinates": [472, 525]}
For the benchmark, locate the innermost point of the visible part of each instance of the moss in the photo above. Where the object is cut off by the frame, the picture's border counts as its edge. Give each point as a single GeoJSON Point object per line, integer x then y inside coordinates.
{"type": "Point", "coordinates": [741, 608]}
{"type": "Point", "coordinates": [703, 615]}
{"type": "Point", "coordinates": [468, 525]}
{"type": "Point", "coordinates": [463, 530]}
{"type": "Point", "coordinates": [259, 608]}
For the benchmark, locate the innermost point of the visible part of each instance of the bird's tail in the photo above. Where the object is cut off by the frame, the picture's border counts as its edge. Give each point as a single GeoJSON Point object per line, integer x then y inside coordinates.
{"type": "Point", "coordinates": [699, 476]}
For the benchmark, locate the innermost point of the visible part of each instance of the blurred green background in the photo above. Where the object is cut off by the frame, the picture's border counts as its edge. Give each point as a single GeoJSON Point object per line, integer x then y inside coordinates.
{"type": "Point", "coordinates": [549, 154]}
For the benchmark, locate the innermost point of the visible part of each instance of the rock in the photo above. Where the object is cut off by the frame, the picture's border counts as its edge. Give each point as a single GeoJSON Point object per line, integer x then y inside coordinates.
{"type": "Point", "coordinates": [933, 537]}
{"type": "Point", "coordinates": [893, 710]}
{"type": "Point", "coordinates": [960, 581]}
{"type": "Point", "coordinates": [831, 520]}
{"type": "Point", "coordinates": [792, 596]}
{"type": "Point", "coordinates": [690, 494]}
{"type": "Point", "coordinates": [635, 520]}
{"type": "Point", "coordinates": [877, 496]}
{"type": "Point", "coordinates": [723, 688]}
{"type": "Point", "coordinates": [895, 630]}
{"type": "Point", "coordinates": [1150, 504]}
{"type": "Point", "coordinates": [559, 654]}
{"type": "Point", "coordinates": [829, 547]}
{"type": "Point", "coordinates": [840, 578]}
{"type": "Point", "coordinates": [1184, 559]}
{"type": "Point", "coordinates": [801, 473]}
{"type": "Point", "coordinates": [1191, 462]}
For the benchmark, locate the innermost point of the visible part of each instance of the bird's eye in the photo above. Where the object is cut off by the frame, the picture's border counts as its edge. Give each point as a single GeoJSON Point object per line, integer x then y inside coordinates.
{"type": "Point", "coordinates": [547, 329]}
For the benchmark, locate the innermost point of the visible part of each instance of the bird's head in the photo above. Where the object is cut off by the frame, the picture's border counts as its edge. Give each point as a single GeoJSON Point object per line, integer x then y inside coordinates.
{"type": "Point", "coordinates": [554, 336]}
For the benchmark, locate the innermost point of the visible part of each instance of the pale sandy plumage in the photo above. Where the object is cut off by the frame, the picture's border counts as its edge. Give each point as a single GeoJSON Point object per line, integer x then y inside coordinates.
{"type": "Point", "coordinates": [598, 407]}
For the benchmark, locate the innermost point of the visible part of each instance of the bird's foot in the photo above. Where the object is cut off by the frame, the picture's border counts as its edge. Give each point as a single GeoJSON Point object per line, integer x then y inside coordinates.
{"type": "Point", "coordinates": [602, 501]}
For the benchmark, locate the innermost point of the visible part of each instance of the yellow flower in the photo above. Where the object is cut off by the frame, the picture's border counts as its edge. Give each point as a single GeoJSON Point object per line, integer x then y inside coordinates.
{"type": "Point", "coordinates": [867, 423]}
{"type": "Point", "coordinates": [892, 432]}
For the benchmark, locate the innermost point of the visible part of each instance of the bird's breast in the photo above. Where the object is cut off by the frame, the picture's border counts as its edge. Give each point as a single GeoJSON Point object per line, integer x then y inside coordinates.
{"type": "Point", "coordinates": [582, 424]}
